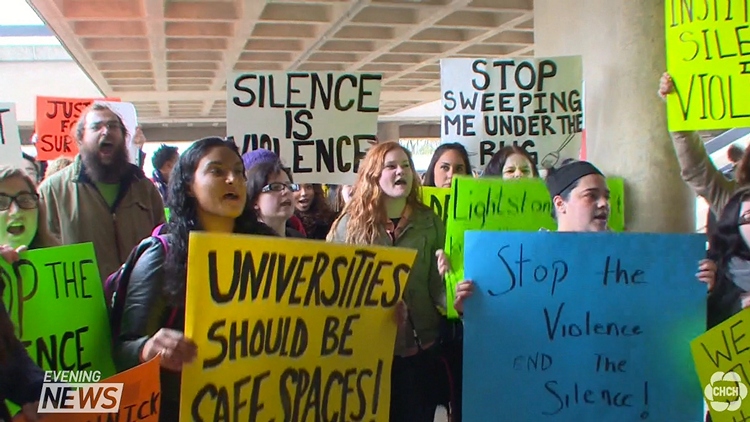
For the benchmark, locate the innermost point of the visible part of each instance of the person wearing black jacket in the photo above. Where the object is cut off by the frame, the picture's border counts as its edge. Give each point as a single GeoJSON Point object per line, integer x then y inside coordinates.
{"type": "Point", "coordinates": [20, 378]}
{"type": "Point", "coordinates": [206, 193]}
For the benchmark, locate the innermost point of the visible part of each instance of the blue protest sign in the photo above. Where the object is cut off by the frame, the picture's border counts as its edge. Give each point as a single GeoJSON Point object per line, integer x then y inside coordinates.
{"type": "Point", "coordinates": [582, 327]}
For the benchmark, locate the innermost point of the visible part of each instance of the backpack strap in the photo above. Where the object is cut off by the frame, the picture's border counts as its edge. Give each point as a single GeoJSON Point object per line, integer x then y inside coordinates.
{"type": "Point", "coordinates": [163, 240]}
{"type": "Point", "coordinates": [118, 301]}
{"type": "Point", "coordinates": [157, 230]}
{"type": "Point", "coordinates": [171, 319]}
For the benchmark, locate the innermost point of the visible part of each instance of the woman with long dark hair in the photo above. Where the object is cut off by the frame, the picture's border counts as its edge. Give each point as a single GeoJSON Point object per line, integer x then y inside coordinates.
{"type": "Point", "coordinates": [729, 248]}
{"type": "Point", "coordinates": [206, 193]}
{"type": "Point", "coordinates": [448, 160]}
{"type": "Point", "coordinates": [312, 209]}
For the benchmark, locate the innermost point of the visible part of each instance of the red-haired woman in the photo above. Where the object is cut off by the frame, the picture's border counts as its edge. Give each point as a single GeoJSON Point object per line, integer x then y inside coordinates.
{"type": "Point", "coordinates": [386, 209]}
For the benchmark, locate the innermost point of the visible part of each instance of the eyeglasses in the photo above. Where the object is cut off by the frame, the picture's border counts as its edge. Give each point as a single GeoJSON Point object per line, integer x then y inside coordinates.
{"type": "Point", "coordinates": [111, 125]}
{"type": "Point", "coordinates": [24, 200]}
{"type": "Point", "coordinates": [278, 187]}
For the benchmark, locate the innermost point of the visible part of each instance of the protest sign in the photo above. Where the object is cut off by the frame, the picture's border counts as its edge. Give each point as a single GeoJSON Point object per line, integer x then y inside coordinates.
{"type": "Point", "coordinates": [56, 118]}
{"type": "Point", "coordinates": [10, 140]}
{"type": "Point", "coordinates": [290, 329]}
{"type": "Point", "coordinates": [708, 57]}
{"type": "Point", "coordinates": [582, 326]}
{"type": "Point", "coordinates": [439, 199]}
{"type": "Point", "coordinates": [720, 357]}
{"type": "Point", "coordinates": [535, 104]}
{"type": "Point", "coordinates": [616, 187]}
{"type": "Point", "coordinates": [140, 399]}
{"type": "Point", "coordinates": [497, 204]}
{"type": "Point", "coordinates": [55, 299]}
{"type": "Point", "coordinates": [321, 124]}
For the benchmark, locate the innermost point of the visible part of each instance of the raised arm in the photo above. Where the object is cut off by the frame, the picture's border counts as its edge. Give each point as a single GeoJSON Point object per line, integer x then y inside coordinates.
{"type": "Point", "coordinates": [696, 167]}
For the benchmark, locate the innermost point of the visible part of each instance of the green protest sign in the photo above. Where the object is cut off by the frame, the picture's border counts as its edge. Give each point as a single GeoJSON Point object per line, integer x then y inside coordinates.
{"type": "Point", "coordinates": [616, 187]}
{"type": "Point", "coordinates": [54, 297]}
{"type": "Point", "coordinates": [494, 204]}
{"type": "Point", "coordinates": [438, 199]}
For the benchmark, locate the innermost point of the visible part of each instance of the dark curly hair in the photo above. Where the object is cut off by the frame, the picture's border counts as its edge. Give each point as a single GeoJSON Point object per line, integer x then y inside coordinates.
{"type": "Point", "coordinates": [319, 211]}
{"type": "Point", "coordinates": [183, 218]}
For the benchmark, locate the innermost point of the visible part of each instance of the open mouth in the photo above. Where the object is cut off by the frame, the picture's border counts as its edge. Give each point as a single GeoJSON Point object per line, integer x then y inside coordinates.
{"type": "Point", "coordinates": [106, 147]}
{"type": "Point", "coordinates": [16, 229]}
{"type": "Point", "coordinates": [286, 203]}
{"type": "Point", "coordinates": [601, 217]}
{"type": "Point", "coordinates": [231, 196]}
{"type": "Point", "coordinates": [400, 182]}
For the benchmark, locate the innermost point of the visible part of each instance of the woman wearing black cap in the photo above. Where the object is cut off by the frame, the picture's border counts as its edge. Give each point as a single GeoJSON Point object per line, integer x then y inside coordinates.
{"type": "Point", "coordinates": [580, 197]}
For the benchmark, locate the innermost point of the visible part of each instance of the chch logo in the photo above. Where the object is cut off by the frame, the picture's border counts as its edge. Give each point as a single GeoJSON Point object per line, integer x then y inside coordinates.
{"type": "Point", "coordinates": [725, 392]}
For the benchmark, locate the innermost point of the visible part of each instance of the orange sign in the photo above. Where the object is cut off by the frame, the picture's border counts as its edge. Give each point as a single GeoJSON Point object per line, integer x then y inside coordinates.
{"type": "Point", "coordinates": [140, 399]}
{"type": "Point", "coordinates": [56, 118]}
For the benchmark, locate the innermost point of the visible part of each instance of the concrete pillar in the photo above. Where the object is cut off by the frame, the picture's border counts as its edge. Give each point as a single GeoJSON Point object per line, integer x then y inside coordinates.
{"type": "Point", "coordinates": [622, 44]}
{"type": "Point", "coordinates": [388, 132]}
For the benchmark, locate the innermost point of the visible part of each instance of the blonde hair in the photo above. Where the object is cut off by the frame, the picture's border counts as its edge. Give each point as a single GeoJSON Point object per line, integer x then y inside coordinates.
{"type": "Point", "coordinates": [56, 165]}
{"type": "Point", "coordinates": [366, 208]}
{"type": "Point", "coordinates": [43, 237]}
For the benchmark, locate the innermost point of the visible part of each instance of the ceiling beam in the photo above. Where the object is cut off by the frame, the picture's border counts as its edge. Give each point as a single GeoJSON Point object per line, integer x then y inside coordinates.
{"type": "Point", "coordinates": [243, 29]}
{"type": "Point", "coordinates": [50, 12]}
{"type": "Point", "coordinates": [525, 16]}
{"type": "Point", "coordinates": [341, 15]}
{"type": "Point", "coordinates": [158, 48]}
{"type": "Point", "coordinates": [406, 34]}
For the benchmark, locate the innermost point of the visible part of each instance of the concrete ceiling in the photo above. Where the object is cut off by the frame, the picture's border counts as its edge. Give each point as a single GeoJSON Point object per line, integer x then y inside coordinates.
{"type": "Point", "coordinates": [171, 57]}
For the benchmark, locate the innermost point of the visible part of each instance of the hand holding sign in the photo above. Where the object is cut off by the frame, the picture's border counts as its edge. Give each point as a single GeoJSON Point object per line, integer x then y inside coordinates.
{"type": "Point", "coordinates": [174, 347]}
{"type": "Point", "coordinates": [666, 86]}
{"type": "Point", "coordinates": [464, 290]}
{"type": "Point", "coordinates": [707, 273]}
{"type": "Point", "coordinates": [9, 254]}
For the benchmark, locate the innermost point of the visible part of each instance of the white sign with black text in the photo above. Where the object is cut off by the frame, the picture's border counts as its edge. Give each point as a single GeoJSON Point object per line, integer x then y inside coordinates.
{"type": "Point", "coordinates": [10, 139]}
{"type": "Point", "coordinates": [321, 124]}
{"type": "Point", "coordinates": [533, 103]}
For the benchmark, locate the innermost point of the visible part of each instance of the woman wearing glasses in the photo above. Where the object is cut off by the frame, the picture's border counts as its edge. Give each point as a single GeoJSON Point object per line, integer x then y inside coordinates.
{"type": "Point", "coordinates": [270, 193]}
{"type": "Point", "coordinates": [20, 214]}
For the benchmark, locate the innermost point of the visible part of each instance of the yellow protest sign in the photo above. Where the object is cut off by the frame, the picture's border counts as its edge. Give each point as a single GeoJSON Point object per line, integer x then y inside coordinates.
{"type": "Point", "coordinates": [512, 205]}
{"type": "Point", "coordinates": [708, 56]}
{"type": "Point", "coordinates": [290, 330]}
{"type": "Point", "coordinates": [722, 357]}
{"type": "Point", "coordinates": [438, 199]}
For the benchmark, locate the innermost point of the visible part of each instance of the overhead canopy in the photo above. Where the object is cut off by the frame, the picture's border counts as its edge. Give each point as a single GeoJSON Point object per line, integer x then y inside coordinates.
{"type": "Point", "coordinates": [171, 57]}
